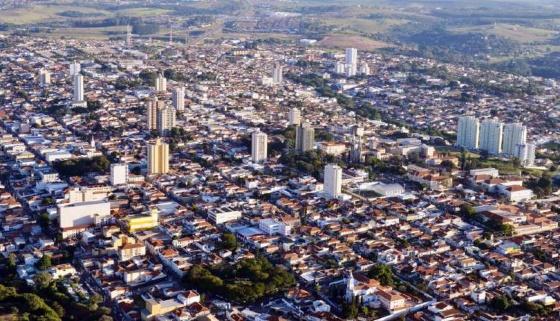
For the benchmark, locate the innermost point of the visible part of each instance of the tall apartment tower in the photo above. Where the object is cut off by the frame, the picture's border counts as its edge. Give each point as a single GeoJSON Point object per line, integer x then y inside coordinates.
{"type": "Point", "coordinates": [333, 180]}
{"type": "Point", "coordinates": [128, 36]}
{"type": "Point", "coordinates": [294, 117]}
{"type": "Point", "coordinates": [78, 88]}
{"type": "Point", "coordinates": [364, 69]}
{"type": "Point", "coordinates": [179, 98]}
{"type": "Point", "coordinates": [165, 120]}
{"type": "Point", "coordinates": [75, 68]}
{"type": "Point", "coordinates": [44, 77]}
{"type": "Point", "coordinates": [119, 174]}
{"type": "Point", "coordinates": [514, 135]}
{"type": "Point", "coordinates": [161, 83]}
{"type": "Point", "coordinates": [491, 133]}
{"type": "Point", "coordinates": [158, 158]}
{"type": "Point", "coordinates": [468, 132]}
{"type": "Point", "coordinates": [351, 61]}
{"type": "Point", "coordinates": [153, 106]}
{"type": "Point", "coordinates": [526, 154]}
{"type": "Point", "coordinates": [305, 137]}
{"type": "Point", "coordinates": [277, 74]}
{"type": "Point", "coordinates": [259, 146]}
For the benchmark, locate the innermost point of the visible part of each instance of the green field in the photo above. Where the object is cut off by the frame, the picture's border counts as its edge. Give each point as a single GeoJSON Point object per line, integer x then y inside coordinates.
{"type": "Point", "coordinates": [521, 34]}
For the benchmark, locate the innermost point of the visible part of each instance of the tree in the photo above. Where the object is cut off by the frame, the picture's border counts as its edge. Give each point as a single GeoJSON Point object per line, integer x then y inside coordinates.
{"type": "Point", "coordinates": [500, 303]}
{"type": "Point", "coordinates": [383, 274]}
{"type": "Point", "coordinates": [44, 262]}
{"type": "Point", "coordinates": [11, 262]}
{"type": "Point", "coordinates": [468, 211]}
{"type": "Point", "coordinates": [228, 242]}
{"type": "Point", "coordinates": [42, 280]}
{"type": "Point", "coordinates": [350, 310]}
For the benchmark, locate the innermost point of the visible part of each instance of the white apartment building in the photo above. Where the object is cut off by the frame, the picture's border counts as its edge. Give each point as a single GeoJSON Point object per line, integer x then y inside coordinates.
{"type": "Point", "coordinates": [333, 180]}
{"type": "Point", "coordinates": [78, 88]}
{"type": "Point", "coordinates": [271, 227]}
{"type": "Point", "coordinates": [119, 174]}
{"type": "Point", "coordinates": [259, 146]}
{"type": "Point", "coordinates": [223, 215]}
{"type": "Point", "coordinates": [491, 134]}
{"type": "Point", "coordinates": [179, 98]}
{"type": "Point", "coordinates": [468, 132]}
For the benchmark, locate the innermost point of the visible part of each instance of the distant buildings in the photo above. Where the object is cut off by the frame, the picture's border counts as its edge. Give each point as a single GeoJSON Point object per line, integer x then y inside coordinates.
{"type": "Point", "coordinates": [44, 77]}
{"type": "Point", "coordinates": [75, 69]}
{"type": "Point", "coordinates": [305, 137]}
{"type": "Point", "coordinates": [351, 61]}
{"type": "Point", "coordinates": [294, 117]}
{"type": "Point", "coordinates": [165, 120]}
{"type": "Point", "coordinates": [158, 158]}
{"type": "Point", "coordinates": [259, 146]}
{"type": "Point", "coordinates": [161, 83]}
{"type": "Point", "coordinates": [152, 107]}
{"type": "Point", "coordinates": [333, 180]}
{"type": "Point", "coordinates": [78, 88]}
{"type": "Point", "coordinates": [119, 174]}
{"type": "Point", "coordinates": [468, 132]}
{"type": "Point", "coordinates": [526, 154]}
{"type": "Point", "coordinates": [179, 98]}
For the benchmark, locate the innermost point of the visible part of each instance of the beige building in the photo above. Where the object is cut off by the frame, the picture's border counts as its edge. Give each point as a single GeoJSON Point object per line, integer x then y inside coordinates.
{"type": "Point", "coordinates": [158, 158]}
{"type": "Point", "coordinates": [153, 106]}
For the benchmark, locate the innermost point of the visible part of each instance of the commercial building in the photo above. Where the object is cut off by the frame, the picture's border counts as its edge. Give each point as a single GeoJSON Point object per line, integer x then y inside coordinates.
{"type": "Point", "coordinates": [468, 132]}
{"type": "Point", "coordinates": [223, 215]}
{"type": "Point", "coordinates": [305, 137]}
{"type": "Point", "coordinates": [144, 222]}
{"type": "Point", "coordinates": [491, 134]}
{"type": "Point", "coordinates": [158, 158]}
{"type": "Point", "coordinates": [271, 227]}
{"type": "Point", "coordinates": [119, 174]}
{"type": "Point", "coordinates": [259, 146]}
{"type": "Point", "coordinates": [83, 214]}
{"type": "Point", "coordinates": [333, 180]}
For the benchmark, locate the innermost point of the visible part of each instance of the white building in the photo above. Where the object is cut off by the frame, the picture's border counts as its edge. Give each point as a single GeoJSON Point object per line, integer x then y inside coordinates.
{"type": "Point", "coordinates": [166, 118]}
{"type": "Point", "coordinates": [339, 68]}
{"type": "Point", "coordinates": [526, 154]}
{"type": "Point", "coordinates": [277, 74]}
{"type": "Point", "coordinates": [161, 83]}
{"type": "Point", "coordinates": [491, 133]}
{"type": "Point", "coordinates": [44, 77]}
{"type": "Point", "coordinates": [83, 214]}
{"type": "Point", "coordinates": [222, 215]}
{"type": "Point", "coordinates": [272, 227]}
{"type": "Point", "coordinates": [75, 68]}
{"type": "Point", "coordinates": [78, 88]}
{"type": "Point", "coordinates": [333, 180]}
{"type": "Point", "coordinates": [364, 69]}
{"type": "Point", "coordinates": [294, 117]}
{"type": "Point", "coordinates": [259, 146]}
{"type": "Point", "coordinates": [514, 134]}
{"type": "Point", "coordinates": [179, 98]}
{"type": "Point", "coordinates": [119, 174]}
{"type": "Point", "coordinates": [468, 132]}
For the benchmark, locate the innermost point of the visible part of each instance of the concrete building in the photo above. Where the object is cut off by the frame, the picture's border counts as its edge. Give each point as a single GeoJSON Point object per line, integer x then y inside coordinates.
{"type": "Point", "coordinates": [526, 154]}
{"type": "Point", "coordinates": [468, 132]}
{"type": "Point", "coordinates": [491, 134]}
{"type": "Point", "coordinates": [305, 137]}
{"type": "Point", "coordinates": [259, 146]}
{"type": "Point", "coordinates": [514, 135]}
{"type": "Point", "coordinates": [333, 180]}
{"type": "Point", "coordinates": [119, 174]}
{"type": "Point", "coordinates": [277, 74]}
{"type": "Point", "coordinates": [44, 77]}
{"type": "Point", "coordinates": [339, 68]}
{"type": "Point", "coordinates": [152, 106]}
{"type": "Point", "coordinates": [294, 117]}
{"type": "Point", "coordinates": [83, 214]}
{"type": "Point", "coordinates": [272, 227]}
{"type": "Point", "coordinates": [179, 98]}
{"type": "Point", "coordinates": [144, 221]}
{"type": "Point", "coordinates": [351, 62]}
{"type": "Point", "coordinates": [78, 88]}
{"type": "Point", "coordinates": [223, 215]}
{"type": "Point", "coordinates": [364, 69]}
{"type": "Point", "coordinates": [158, 158]}
{"type": "Point", "coordinates": [161, 83]}
{"type": "Point", "coordinates": [165, 120]}
{"type": "Point", "coordinates": [75, 68]}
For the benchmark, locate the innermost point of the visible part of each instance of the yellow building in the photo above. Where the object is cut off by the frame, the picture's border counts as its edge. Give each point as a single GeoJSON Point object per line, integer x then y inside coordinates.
{"type": "Point", "coordinates": [144, 222]}
{"type": "Point", "coordinates": [158, 158]}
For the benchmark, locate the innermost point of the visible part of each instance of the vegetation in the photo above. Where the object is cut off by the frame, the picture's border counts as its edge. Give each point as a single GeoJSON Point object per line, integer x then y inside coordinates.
{"type": "Point", "coordinates": [82, 166]}
{"type": "Point", "coordinates": [383, 274]}
{"type": "Point", "coordinates": [244, 282]}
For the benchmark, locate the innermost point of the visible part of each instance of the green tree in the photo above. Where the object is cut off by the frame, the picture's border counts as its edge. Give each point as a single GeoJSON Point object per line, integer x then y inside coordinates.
{"type": "Point", "coordinates": [228, 242]}
{"type": "Point", "coordinates": [44, 262]}
{"type": "Point", "coordinates": [42, 280]}
{"type": "Point", "coordinates": [383, 274]}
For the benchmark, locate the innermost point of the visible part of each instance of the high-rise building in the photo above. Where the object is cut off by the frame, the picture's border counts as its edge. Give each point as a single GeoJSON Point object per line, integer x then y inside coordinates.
{"type": "Point", "coordinates": [339, 68]}
{"type": "Point", "coordinates": [78, 88]}
{"type": "Point", "coordinates": [333, 180]}
{"type": "Point", "coordinates": [514, 134]}
{"type": "Point", "coordinates": [119, 174]}
{"type": "Point", "coordinates": [491, 133]}
{"type": "Point", "coordinates": [75, 68]}
{"type": "Point", "coordinates": [158, 158]}
{"type": "Point", "coordinates": [294, 117]}
{"type": "Point", "coordinates": [351, 61]}
{"type": "Point", "coordinates": [128, 36]}
{"type": "Point", "coordinates": [153, 106]}
{"type": "Point", "coordinates": [179, 98]}
{"type": "Point", "coordinates": [468, 132]}
{"type": "Point", "coordinates": [44, 77]}
{"type": "Point", "coordinates": [259, 146]}
{"type": "Point", "coordinates": [277, 74]}
{"type": "Point", "coordinates": [161, 83]}
{"type": "Point", "coordinates": [526, 154]}
{"type": "Point", "coordinates": [364, 69]}
{"type": "Point", "coordinates": [165, 120]}
{"type": "Point", "coordinates": [305, 137]}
